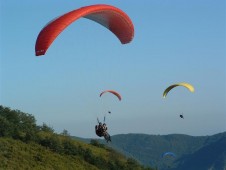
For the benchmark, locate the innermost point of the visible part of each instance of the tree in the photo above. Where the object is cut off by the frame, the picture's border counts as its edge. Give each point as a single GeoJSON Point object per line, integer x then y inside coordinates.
{"type": "Point", "coordinates": [46, 128]}
{"type": "Point", "coordinates": [65, 133]}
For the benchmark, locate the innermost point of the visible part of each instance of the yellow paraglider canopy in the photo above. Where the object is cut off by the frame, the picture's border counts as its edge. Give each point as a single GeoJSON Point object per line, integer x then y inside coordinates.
{"type": "Point", "coordinates": [187, 85]}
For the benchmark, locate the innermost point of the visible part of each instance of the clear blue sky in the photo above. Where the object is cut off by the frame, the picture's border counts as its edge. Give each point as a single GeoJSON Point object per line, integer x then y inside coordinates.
{"type": "Point", "coordinates": [175, 41]}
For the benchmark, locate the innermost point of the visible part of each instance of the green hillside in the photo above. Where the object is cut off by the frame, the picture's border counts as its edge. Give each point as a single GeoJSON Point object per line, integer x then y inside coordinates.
{"type": "Point", "coordinates": [15, 154]}
{"type": "Point", "coordinates": [24, 145]}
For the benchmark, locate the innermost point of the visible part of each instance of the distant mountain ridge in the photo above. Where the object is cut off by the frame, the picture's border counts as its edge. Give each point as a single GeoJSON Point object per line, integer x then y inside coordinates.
{"type": "Point", "coordinates": [192, 152]}
{"type": "Point", "coordinates": [211, 156]}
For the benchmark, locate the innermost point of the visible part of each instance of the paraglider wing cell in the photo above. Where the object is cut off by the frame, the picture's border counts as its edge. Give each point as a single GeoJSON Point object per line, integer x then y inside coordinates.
{"type": "Point", "coordinates": [108, 16]}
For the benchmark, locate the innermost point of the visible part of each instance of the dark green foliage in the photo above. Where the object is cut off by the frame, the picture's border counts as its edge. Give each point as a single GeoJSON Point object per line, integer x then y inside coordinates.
{"type": "Point", "coordinates": [52, 142]}
{"type": "Point", "coordinates": [96, 143]}
{"type": "Point", "coordinates": [131, 164]}
{"type": "Point", "coordinates": [46, 128]}
{"type": "Point", "coordinates": [65, 133]}
{"type": "Point", "coordinates": [5, 127]}
{"type": "Point", "coordinates": [17, 125]}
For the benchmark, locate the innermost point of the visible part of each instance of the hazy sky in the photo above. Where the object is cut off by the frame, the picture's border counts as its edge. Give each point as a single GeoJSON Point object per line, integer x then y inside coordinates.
{"type": "Point", "coordinates": [175, 41]}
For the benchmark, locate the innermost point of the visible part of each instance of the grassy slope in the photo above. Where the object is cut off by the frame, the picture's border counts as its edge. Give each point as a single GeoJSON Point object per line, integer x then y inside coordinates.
{"type": "Point", "coordinates": [15, 154]}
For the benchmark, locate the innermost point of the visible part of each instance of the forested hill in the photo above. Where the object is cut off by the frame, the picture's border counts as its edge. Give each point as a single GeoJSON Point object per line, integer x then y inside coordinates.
{"type": "Point", "coordinates": [211, 156]}
{"type": "Point", "coordinates": [192, 152]}
{"type": "Point", "coordinates": [25, 145]}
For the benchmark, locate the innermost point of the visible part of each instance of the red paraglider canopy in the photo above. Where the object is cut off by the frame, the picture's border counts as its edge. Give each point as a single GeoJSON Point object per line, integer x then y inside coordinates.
{"type": "Point", "coordinates": [113, 92]}
{"type": "Point", "coordinates": [108, 16]}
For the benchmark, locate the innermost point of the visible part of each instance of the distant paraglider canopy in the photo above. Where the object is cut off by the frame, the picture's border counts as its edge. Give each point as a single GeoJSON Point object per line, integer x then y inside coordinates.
{"type": "Point", "coordinates": [113, 92]}
{"type": "Point", "coordinates": [187, 85]}
{"type": "Point", "coordinates": [168, 154]}
{"type": "Point", "coordinates": [114, 19]}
